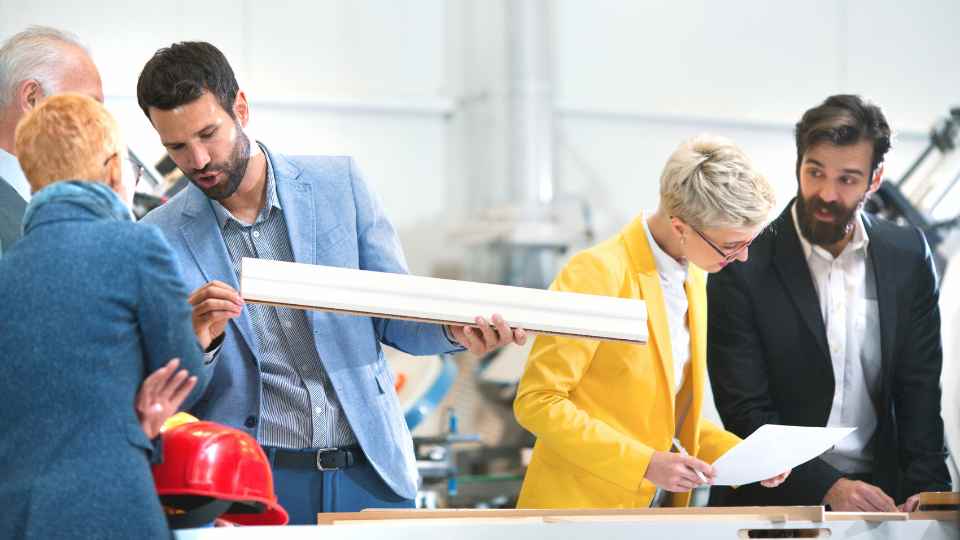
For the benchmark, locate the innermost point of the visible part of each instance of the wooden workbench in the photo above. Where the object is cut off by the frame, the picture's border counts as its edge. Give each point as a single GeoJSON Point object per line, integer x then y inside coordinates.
{"type": "Point", "coordinates": [666, 523]}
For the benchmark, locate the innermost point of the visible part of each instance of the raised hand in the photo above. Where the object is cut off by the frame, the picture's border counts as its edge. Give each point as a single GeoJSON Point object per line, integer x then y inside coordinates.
{"type": "Point", "coordinates": [161, 394]}
{"type": "Point", "coordinates": [214, 304]}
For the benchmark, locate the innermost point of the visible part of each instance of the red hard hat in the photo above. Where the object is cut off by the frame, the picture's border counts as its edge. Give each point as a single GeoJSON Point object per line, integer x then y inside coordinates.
{"type": "Point", "coordinates": [209, 464]}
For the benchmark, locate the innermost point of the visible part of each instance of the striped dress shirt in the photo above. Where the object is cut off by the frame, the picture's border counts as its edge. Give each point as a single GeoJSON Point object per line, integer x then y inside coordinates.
{"type": "Point", "coordinates": [299, 408]}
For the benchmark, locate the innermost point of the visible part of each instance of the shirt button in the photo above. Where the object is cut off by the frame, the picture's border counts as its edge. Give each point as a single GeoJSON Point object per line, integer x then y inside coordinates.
{"type": "Point", "coordinates": [287, 324]}
{"type": "Point", "coordinates": [256, 234]}
{"type": "Point", "coordinates": [250, 422]}
{"type": "Point", "coordinates": [318, 410]}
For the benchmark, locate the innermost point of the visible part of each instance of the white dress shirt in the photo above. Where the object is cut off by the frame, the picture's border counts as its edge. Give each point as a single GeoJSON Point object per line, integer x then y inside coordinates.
{"type": "Point", "coordinates": [11, 172]}
{"type": "Point", "coordinates": [847, 291]}
{"type": "Point", "coordinates": [673, 277]}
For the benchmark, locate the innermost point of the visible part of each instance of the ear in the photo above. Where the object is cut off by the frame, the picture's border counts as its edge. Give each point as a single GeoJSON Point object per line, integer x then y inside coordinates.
{"type": "Point", "coordinates": [241, 110]}
{"type": "Point", "coordinates": [678, 226]}
{"type": "Point", "coordinates": [29, 94]}
{"type": "Point", "coordinates": [877, 178]}
{"type": "Point", "coordinates": [114, 176]}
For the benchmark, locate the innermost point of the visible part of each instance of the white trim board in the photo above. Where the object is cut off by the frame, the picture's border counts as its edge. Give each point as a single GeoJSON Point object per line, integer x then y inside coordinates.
{"type": "Point", "coordinates": [446, 301]}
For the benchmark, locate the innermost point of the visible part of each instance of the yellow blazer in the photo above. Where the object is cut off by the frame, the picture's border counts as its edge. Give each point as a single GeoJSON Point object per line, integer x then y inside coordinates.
{"type": "Point", "coordinates": [600, 409]}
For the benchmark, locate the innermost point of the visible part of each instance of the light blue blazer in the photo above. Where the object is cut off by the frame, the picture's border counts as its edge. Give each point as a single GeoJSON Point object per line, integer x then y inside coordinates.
{"type": "Point", "coordinates": [333, 219]}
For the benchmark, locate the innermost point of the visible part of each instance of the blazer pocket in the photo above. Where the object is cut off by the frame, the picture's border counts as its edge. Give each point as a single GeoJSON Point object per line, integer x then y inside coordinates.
{"type": "Point", "coordinates": [331, 238]}
{"type": "Point", "coordinates": [384, 380]}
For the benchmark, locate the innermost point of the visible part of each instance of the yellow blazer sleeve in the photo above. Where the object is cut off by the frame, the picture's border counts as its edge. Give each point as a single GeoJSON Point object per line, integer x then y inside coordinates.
{"type": "Point", "coordinates": [555, 367]}
{"type": "Point", "coordinates": [715, 441]}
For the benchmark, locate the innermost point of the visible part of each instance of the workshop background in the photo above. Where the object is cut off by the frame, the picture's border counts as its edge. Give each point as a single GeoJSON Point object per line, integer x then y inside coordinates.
{"type": "Point", "coordinates": [503, 135]}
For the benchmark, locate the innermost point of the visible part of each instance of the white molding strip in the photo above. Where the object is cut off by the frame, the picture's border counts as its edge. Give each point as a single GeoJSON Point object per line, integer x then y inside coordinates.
{"type": "Point", "coordinates": [401, 296]}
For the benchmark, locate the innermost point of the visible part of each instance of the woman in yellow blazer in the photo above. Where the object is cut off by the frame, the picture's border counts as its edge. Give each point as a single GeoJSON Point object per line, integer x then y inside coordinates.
{"type": "Point", "coordinates": [605, 413]}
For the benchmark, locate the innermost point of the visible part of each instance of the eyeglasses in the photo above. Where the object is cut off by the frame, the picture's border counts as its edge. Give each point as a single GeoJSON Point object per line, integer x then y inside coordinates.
{"type": "Point", "coordinates": [137, 169]}
{"type": "Point", "coordinates": [132, 163]}
{"type": "Point", "coordinates": [727, 257]}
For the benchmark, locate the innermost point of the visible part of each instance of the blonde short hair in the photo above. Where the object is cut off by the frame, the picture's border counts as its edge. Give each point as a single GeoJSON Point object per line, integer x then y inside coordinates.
{"type": "Point", "coordinates": [708, 182]}
{"type": "Point", "coordinates": [67, 137]}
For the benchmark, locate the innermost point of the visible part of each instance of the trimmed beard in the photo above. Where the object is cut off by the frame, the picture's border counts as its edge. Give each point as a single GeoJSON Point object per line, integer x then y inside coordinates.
{"type": "Point", "coordinates": [235, 168]}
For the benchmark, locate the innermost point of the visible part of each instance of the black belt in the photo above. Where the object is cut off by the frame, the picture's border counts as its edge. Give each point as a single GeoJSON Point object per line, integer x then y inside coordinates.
{"type": "Point", "coordinates": [323, 459]}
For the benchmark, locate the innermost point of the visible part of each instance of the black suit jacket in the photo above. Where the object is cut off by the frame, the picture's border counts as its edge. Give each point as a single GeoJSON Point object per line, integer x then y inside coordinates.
{"type": "Point", "coordinates": [12, 207]}
{"type": "Point", "coordinates": [769, 364]}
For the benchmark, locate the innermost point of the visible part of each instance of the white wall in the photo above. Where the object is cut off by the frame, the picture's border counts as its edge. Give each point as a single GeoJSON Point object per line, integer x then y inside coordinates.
{"type": "Point", "coordinates": [416, 88]}
{"type": "Point", "coordinates": [634, 78]}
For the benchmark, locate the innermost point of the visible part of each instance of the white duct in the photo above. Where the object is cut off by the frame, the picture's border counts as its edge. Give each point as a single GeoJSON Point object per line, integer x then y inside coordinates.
{"type": "Point", "coordinates": [530, 95]}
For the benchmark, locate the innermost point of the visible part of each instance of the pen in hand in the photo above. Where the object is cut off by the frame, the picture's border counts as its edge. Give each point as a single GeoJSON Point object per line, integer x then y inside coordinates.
{"type": "Point", "coordinates": [683, 452]}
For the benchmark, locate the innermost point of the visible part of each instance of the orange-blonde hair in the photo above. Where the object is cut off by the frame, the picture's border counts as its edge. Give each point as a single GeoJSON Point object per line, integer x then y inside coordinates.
{"type": "Point", "coordinates": [67, 137]}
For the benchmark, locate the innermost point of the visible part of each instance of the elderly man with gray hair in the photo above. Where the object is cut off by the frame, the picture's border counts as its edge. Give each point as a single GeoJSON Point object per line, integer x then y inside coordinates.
{"type": "Point", "coordinates": [35, 63]}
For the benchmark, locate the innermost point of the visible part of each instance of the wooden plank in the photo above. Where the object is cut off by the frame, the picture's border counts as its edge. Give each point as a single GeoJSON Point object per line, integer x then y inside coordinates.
{"type": "Point", "coordinates": [772, 518]}
{"type": "Point", "coordinates": [400, 296]}
{"type": "Point", "coordinates": [867, 516]}
{"type": "Point", "coordinates": [939, 501]}
{"type": "Point", "coordinates": [943, 515]}
{"type": "Point", "coordinates": [769, 513]}
{"type": "Point", "coordinates": [457, 522]}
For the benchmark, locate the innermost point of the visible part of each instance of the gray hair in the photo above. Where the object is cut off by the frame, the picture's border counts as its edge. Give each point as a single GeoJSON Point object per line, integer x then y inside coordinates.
{"type": "Point", "coordinates": [35, 53]}
{"type": "Point", "coordinates": [709, 182]}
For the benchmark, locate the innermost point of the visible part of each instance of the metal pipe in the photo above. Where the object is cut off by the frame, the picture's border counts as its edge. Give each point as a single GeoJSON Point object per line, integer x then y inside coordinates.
{"type": "Point", "coordinates": [530, 95]}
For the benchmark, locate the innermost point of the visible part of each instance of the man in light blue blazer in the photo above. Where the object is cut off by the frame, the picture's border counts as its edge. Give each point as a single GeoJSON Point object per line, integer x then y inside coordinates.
{"type": "Point", "coordinates": [314, 388]}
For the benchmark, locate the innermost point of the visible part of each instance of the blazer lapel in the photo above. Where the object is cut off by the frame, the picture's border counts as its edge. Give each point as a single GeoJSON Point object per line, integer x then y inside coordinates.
{"type": "Point", "coordinates": [697, 323]}
{"type": "Point", "coordinates": [792, 266]}
{"type": "Point", "coordinates": [304, 219]}
{"type": "Point", "coordinates": [299, 208]}
{"type": "Point", "coordinates": [203, 238]}
{"type": "Point", "coordinates": [879, 252]}
{"type": "Point", "coordinates": [649, 281]}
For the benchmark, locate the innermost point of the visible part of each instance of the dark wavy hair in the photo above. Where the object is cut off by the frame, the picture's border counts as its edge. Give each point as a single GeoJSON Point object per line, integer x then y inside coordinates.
{"type": "Point", "coordinates": [843, 120]}
{"type": "Point", "coordinates": [181, 73]}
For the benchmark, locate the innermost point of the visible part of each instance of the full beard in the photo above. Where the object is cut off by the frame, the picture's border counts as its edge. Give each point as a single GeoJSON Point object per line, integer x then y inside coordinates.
{"type": "Point", "coordinates": [234, 167]}
{"type": "Point", "coordinates": [821, 233]}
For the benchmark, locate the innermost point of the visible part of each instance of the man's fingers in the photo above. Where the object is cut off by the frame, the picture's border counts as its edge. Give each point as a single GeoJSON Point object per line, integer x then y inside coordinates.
{"type": "Point", "coordinates": [476, 339]}
{"type": "Point", "coordinates": [463, 336]}
{"type": "Point", "coordinates": [216, 305]}
{"type": "Point", "coordinates": [504, 334]}
{"type": "Point", "coordinates": [215, 289]}
{"type": "Point", "coordinates": [880, 500]}
{"type": "Point", "coordinates": [489, 338]}
{"type": "Point", "coordinates": [520, 336]}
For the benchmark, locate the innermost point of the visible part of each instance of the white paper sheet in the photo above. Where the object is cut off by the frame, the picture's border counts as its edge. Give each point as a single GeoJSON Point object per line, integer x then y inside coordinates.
{"type": "Point", "coordinates": [772, 449]}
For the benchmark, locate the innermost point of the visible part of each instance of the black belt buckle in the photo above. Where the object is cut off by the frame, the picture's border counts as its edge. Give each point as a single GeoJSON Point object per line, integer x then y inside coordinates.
{"type": "Point", "coordinates": [332, 459]}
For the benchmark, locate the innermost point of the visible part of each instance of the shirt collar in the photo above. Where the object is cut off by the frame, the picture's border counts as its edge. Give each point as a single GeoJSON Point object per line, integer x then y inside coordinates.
{"type": "Point", "coordinates": [11, 172]}
{"type": "Point", "coordinates": [272, 201]}
{"type": "Point", "coordinates": [859, 241]}
{"type": "Point", "coordinates": [669, 269]}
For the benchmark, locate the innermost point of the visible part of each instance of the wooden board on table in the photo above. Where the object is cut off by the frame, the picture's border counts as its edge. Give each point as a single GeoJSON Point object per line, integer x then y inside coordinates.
{"type": "Point", "coordinates": [936, 501]}
{"type": "Point", "coordinates": [867, 516]}
{"type": "Point", "coordinates": [441, 301]}
{"type": "Point", "coordinates": [942, 515]}
{"type": "Point", "coordinates": [768, 513]}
